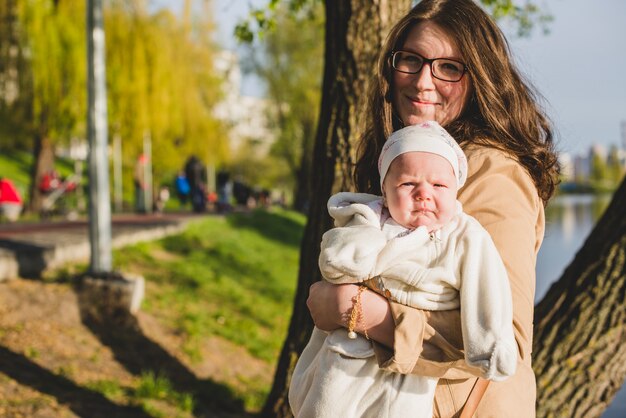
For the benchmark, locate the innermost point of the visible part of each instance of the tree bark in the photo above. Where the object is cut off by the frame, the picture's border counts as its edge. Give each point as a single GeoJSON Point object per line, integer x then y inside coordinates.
{"type": "Point", "coordinates": [580, 325]}
{"type": "Point", "coordinates": [302, 190]}
{"type": "Point", "coordinates": [43, 162]}
{"type": "Point", "coordinates": [354, 32]}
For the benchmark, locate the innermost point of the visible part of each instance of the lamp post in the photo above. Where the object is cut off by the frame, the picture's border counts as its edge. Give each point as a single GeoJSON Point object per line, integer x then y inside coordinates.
{"type": "Point", "coordinates": [105, 293]}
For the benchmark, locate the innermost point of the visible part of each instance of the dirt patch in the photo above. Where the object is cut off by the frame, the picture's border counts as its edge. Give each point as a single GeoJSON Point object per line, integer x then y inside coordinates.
{"type": "Point", "coordinates": [51, 359]}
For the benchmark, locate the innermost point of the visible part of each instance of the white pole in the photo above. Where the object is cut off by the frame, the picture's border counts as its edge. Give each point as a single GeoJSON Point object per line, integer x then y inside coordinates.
{"type": "Point", "coordinates": [147, 173]}
{"type": "Point", "coordinates": [99, 199]}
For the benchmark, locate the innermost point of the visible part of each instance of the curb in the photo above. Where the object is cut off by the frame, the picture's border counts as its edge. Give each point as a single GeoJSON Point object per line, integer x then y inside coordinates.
{"type": "Point", "coordinates": [33, 254]}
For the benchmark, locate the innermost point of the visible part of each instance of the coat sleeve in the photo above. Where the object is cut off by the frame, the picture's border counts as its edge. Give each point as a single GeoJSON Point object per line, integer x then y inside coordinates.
{"type": "Point", "coordinates": [349, 251]}
{"type": "Point", "coordinates": [500, 194]}
{"type": "Point", "coordinates": [348, 254]}
{"type": "Point", "coordinates": [486, 306]}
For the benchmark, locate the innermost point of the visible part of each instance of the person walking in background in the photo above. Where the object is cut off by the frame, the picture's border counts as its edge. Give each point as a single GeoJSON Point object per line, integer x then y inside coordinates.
{"type": "Point", "coordinates": [182, 187]}
{"type": "Point", "coordinates": [196, 176]}
{"type": "Point", "coordinates": [139, 179]}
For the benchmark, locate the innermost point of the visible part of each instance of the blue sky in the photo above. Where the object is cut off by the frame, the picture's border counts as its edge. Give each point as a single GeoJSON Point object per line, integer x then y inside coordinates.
{"type": "Point", "coordinates": [579, 67]}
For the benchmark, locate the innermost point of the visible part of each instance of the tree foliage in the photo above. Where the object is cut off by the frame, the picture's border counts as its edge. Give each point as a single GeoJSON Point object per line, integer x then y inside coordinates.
{"type": "Point", "coordinates": [290, 61]}
{"type": "Point", "coordinates": [53, 86]}
{"type": "Point", "coordinates": [614, 165]}
{"type": "Point", "coordinates": [524, 15]}
{"type": "Point", "coordinates": [160, 82]}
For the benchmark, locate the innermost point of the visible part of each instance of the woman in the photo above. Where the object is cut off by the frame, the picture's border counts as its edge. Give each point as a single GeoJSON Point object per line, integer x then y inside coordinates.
{"type": "Point", "coordinates": [447, 61]}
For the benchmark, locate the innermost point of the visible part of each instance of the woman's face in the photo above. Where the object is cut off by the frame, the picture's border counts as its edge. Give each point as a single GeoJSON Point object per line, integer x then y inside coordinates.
{"type": "Point", "coordinates": [421, 97]}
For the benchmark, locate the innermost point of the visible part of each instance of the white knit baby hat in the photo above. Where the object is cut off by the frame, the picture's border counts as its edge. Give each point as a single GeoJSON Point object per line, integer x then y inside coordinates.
{"type": "Point", "coordinates": [423, 137]}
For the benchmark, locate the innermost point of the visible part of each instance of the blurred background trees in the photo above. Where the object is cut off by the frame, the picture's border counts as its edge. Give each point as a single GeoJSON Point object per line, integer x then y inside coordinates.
{"type": "Point", "coordinates": [160, 77]}
{"type": "Point", "coordinates": [289, 62]}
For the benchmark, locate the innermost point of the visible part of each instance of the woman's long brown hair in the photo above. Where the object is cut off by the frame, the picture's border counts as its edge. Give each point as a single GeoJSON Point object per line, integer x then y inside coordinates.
{"type": "Point", "coordinates": [502, 111]}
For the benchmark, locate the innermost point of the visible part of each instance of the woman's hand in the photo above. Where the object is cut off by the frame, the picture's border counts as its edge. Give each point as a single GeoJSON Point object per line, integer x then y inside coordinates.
{"type": "Point", "coordinates": [330, 307]}
{"type": "Point", "coordinates": [330, 304]}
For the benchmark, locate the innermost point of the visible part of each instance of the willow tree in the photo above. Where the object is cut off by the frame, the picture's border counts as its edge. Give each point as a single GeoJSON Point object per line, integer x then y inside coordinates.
{"type": "Point", "coordinates": [11, 64]}
{"type": "Point", "coordinates": [162, 83]}
{"type": "Point", "coordinates": [52, 93]}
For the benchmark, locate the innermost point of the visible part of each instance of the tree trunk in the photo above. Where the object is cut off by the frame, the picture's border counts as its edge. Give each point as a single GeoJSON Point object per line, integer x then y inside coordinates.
{"type": "Point", "coordinates": [580, 325]}
{"type": "Point", "coordinates": [302, 189]}
{"type": "Point", "coordinates": [43, 162]}
{"type": "Point", "coordinates": [354, 32]}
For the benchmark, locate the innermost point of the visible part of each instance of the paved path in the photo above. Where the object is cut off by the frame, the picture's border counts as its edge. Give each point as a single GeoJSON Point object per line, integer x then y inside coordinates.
{"type": "Point", "coordinates": [29, 249]}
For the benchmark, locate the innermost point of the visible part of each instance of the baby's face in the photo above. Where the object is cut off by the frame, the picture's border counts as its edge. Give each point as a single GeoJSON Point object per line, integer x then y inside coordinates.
{"type": "Point", "coordinates": [420, 190]}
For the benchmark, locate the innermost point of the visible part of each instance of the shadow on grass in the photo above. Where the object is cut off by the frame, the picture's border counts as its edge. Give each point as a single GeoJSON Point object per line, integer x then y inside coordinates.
{"type": "Point", "coordinates": [139, 355]}
{"type": "Point", "coordinates": [83, 402]}
{"type": "Point", "coordinates": [274, 226]}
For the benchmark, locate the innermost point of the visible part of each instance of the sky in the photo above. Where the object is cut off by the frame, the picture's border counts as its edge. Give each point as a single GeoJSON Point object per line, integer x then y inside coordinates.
{"type": "Point", "coordinates": [579, 67]}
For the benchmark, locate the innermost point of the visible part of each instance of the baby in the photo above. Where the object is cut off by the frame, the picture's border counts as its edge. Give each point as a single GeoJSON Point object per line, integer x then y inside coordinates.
{"type": "Point", "coordinates": [417, 247]}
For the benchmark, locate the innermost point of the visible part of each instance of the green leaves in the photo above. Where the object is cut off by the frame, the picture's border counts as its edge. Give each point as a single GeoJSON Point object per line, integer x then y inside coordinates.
{"type": "Point", "coordinates": [160, 80]}
{"type": "Point", "coordinates": [262, 21]}
{"type": "Point", "coordinates": [525, 16]}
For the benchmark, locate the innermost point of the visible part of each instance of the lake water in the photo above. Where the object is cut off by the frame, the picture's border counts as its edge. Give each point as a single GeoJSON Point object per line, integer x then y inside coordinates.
{"type": "Point", "coordinates": [569, 220]}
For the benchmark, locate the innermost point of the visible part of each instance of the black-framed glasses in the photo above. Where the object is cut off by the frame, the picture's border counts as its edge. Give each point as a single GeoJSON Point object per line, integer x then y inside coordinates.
{"type": "Point", "coordinates": [441, 68]}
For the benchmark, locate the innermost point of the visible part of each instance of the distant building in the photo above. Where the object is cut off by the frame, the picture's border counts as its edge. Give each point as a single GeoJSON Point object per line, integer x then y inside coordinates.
{"type": "Point", "coordinates": [578, 168]}
{"type": "Point", "coordinates": [582, 167]}
{"type": "Point", "coordinates": [599, 150]}
{"type": "Point", "coordinates": [567, 166]}
{"type": "Point", "coordinates": [245, 116]}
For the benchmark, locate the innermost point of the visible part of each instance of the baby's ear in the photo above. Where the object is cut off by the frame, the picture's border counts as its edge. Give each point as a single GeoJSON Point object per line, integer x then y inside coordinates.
{"type": "Point", "coordinates": [384, 197]}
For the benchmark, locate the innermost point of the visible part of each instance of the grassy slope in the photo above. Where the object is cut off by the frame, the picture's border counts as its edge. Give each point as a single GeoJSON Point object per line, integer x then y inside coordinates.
{"type": "Point", "coordinates": [230, 277]}
{"type": "Point", "coordinates": [233, 277]}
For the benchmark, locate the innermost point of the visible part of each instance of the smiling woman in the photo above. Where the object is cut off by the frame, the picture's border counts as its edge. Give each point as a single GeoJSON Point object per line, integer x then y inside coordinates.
{"type": "Point", "coordinates": [422, 96]}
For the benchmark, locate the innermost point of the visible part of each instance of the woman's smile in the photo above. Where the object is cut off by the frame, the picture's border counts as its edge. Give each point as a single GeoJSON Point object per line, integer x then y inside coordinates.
{"type": "Point", "coordinates": [421, 97]}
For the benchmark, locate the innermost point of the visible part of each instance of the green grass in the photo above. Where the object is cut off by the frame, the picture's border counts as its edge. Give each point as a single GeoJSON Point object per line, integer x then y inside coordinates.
{"type": "Point", "coordinates": [232, 277]}
{"type": "Point", "coordinates": [154, 393]}
{"type": "Point", "coordinates": [160, 388]}
{"type": "Point", "coordinates": [109, 388]}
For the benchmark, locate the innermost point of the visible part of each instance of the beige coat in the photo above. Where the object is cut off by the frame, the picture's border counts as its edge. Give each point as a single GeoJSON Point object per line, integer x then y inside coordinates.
{"type": "Point", "coordinates": [502, 196]}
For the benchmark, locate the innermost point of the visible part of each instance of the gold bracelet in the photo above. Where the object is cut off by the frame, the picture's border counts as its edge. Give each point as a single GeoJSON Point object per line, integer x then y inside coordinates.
{"type": "Point", "coordinates": [356, 315]}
